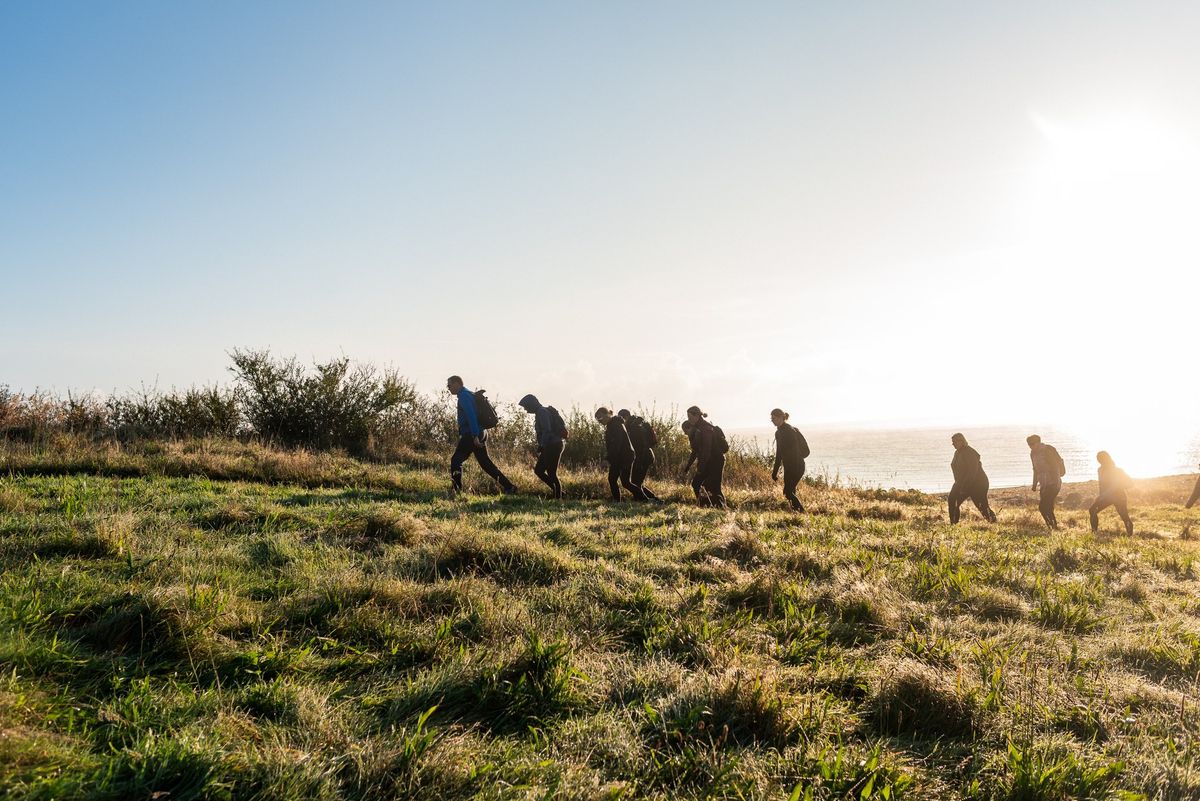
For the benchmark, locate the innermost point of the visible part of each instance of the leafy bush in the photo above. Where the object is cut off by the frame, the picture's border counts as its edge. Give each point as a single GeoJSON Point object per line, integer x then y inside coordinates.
{"type": "Point", "coordinates": [333, 406]}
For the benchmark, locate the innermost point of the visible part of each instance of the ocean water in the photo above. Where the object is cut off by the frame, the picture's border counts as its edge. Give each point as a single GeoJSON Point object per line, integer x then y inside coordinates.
{"type": "Point", "coordinates": [919, 458]}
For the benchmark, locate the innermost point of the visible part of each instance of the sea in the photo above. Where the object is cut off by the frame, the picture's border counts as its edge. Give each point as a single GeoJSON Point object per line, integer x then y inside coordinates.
{"type": "Point", "coordinates": [919, 458]}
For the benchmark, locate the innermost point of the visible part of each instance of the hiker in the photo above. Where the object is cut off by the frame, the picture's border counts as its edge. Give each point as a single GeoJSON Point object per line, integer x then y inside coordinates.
{"type": "Point", "coordinates": [619, 452]}
{"type": "Point", "coordinates": [472, 434]}
{"type": "Point", "coordinates": [698, 481]}
{"type": "Point", "coordinates": [644, 440]}
{"type": "Point", "coordinates": [1048, 472]}
{"type": "Point", "coordinates": [1195, 495]}
{"type": "Point", "coordinates": [791, 449]}
{"type": "Point", "coordinates": [1113, 485]}
{"type": "Point", "coordinates": [710, 447]}
{"type": "Point", "coordinates": [969, 480]}
{"type": "Point", "coordinates": [550, 434]}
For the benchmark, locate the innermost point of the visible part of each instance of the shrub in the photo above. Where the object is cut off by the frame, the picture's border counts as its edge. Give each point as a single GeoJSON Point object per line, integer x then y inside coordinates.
{"type": "Point", "coordinates": [918, 699]}
{"type": "Point", "coordinates": [334, 406]}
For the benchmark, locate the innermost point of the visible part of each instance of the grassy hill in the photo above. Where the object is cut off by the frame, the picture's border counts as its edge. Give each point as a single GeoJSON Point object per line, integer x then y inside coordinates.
{"type": "Point", "coordinates": [213, 620]}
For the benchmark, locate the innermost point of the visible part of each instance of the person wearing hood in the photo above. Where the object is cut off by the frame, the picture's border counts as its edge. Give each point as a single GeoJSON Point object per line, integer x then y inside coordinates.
{"type": "Point", "coordinates": [1114, 482]}
{"type": "Point", "coordinates": [710, 447]}
{"type": "Point", "coordinates": [969, 480]}
{"type": "Point", "coordinates": [619, 452]}
{"type": "Point", "coordinates": [549, 433]}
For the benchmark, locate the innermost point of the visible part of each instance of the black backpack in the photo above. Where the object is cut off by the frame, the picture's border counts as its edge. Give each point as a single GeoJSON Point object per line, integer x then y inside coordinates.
{"type": "Point", "coordinates": [557, 424]}
{"type": "Point", "coordinates": [647, 435]}
{"type": "Point", "coordinates": [802, 444]}
{"type": "Point", "coordinates": [1062, 466]}
{"type": "Point", "coordinates": [485, 413]}
{"type": "Point", "coordinates": [720, 443]}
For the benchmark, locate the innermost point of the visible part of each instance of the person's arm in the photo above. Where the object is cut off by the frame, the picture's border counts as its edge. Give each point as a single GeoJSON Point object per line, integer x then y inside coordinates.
{"type": "Point", "coordinates": [692, 460]}
{"type": "Point", "coordinates": [1033, 459]}
{"type": "Point", "coordinates": [468, 410]}
{"type": "Point", "coordinates": [778, 456]}
{"type": "Point", "coordinates": [541, 424]}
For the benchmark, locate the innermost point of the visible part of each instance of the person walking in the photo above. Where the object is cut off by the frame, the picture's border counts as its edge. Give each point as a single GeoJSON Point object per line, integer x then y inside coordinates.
{"type": "Point", "coordinates": [969, 480]}
{"type": "Point", "coordinates": [1114, 484]}
{"type": "Point", "coordinates": [550, 434]}
{"type": "Point", "coordinates": [619, 452]}
{"type": "Point", "coordinates": [1048, 472]}
{"type": "Point", "coordinates": [697, 481]}
{"type": "Point", "coordinates": [644, 440]}
{"type": "Point", "coordinates": [472, 436]}
{"type": "Point", "coordinates": [710, 448]}
{"type": "Point", "coordinates": [791, 449]}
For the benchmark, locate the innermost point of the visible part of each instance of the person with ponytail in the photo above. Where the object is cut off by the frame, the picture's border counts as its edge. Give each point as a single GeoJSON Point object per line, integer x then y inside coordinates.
{"type": "Point", "coordinates": [710, 447]}
{"type": "Point", "coordinates": [791, 449]}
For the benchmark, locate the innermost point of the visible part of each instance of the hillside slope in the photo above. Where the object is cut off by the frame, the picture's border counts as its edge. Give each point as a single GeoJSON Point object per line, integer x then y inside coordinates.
{"type": "Point", "coordinates": [231, 622]}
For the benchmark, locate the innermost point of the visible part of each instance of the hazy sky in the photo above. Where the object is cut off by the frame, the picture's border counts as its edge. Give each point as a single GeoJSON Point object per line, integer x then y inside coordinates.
{"type": "Point", "coordinates": [857, 211]}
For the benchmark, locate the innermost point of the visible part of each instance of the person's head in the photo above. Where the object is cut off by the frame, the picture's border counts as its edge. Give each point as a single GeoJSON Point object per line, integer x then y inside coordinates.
{"type": "Point", "coordinates": [529, 403]}
{"type": "Point", "coordinates": [603, 415]}
{"type": "Point", "coordinates": [695, 415]}
{"type": "Point", "coordinates": [958, 441]}
{"type": "Point", "coordinates": [778, 417]}
{"type": "Point", "coordinates": [1103, 458]}
{"type": "Point", "coordinates": [1033, 440]}
{"type": "Point", "coordinates": [625, 414]}
{"type": "Point", "coordinates": [454, 384]}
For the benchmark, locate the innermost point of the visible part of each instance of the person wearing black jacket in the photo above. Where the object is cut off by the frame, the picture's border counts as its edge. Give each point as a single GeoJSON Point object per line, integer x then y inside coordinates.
{"type": "Point", "coordinates": [710, 449]}
{"type": "Point", "coordinates": [791, 449]}
{"type": "Point", "coordinates": [548, 434]}
{"type": "Point", "coordinates": [642, 437]}
{"type": "Point", "coordinates": [619, 452]}
{"type": "Point", "coordinates": [698, 479]}
{"type": "Point", "coordinates": [969, 480]}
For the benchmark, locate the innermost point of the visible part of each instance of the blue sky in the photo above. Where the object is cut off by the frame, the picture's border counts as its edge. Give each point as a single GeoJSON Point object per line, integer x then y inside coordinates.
{"type": "Point", "coordinates": [857, 211]}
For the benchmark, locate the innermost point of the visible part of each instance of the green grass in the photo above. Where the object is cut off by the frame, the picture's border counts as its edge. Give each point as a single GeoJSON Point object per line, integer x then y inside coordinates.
{"type": "Point", "coordinates": [221, 621]}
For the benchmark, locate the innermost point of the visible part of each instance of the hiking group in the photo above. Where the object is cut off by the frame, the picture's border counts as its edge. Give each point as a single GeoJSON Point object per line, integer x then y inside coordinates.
{"type": "Point", "coordinates": [630, 442]}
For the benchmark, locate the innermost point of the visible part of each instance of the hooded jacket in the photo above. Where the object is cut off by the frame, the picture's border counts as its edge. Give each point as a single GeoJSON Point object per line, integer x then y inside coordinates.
{"type": "Point", "coordinates": [543, 421]}
{"type": "Point", "coordinates": [468, 421]}
{"type": "Point", "coordinates": [702, 442]}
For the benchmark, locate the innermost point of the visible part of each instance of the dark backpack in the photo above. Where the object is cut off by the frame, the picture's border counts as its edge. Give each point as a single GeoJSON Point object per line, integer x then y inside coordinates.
{"type": "Point", "coordinates": [802, 444]}
{"type": "Point", "coordinates": [720, 443]}
{"type": "Point", "coordinates": [485, 413]}
{"type": "Point", "coordinates": [647, 435]}
{"type": "Point", "coordinates": [557, 424]}
{"type": "Point", "coordinates": [1062, 466]}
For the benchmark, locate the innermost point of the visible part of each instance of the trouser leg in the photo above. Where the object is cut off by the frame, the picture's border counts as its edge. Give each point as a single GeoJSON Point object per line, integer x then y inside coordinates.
{"type": "Point", "coordinates": [462, 452]}
{"type": "Point", "coordinates": [641, 467]}
{"type": "Point", "coordinates": [489, 467]}
{"type": "Point", "coordinates": [1122, 505]}
{"type": "Point", "coordinates": [546, 468]}
{"type": "Point", "coordinates": [954, 503]}
{"type": "Point", "coordinates": [979, 497]}
{"type": "Point", "coordinates": [614, 481]}
{"type": "Point", "coordinates": [791, 480]}
{"type": "Point", "coordinates": [1098, 505]}
{"type": "Point", "coordinates": [713, 478]}
{"type": "Point", "coordinates": [1046, 507]}
{"type": "Point", "coordinates": [626, 476]}
{"type": "Point", "coordinates": [698, 486]}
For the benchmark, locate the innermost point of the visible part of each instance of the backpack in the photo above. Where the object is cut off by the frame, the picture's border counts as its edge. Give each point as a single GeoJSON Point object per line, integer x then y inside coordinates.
{"type": "Point", "coordinates": [485, 413]}
{"type": "Point", "coordinates": [802, 444]}
{"type": "Point", "coordinates": [557, 424]}
{"type": "Point", "coordinates": [720, 443]}
{"type": "Point", "coordinates": [648, 435]}
{"type": "Point", "coordinates": [1062, 466]}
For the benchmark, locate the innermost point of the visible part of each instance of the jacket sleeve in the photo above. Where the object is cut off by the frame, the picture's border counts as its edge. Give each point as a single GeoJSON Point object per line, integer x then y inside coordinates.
{"type": "Point", "coordinates": [778, 452]}
{"type": "Point", "coordinates": [466, 404]}
{"type": "Point", "coordinates": [1033, 460]}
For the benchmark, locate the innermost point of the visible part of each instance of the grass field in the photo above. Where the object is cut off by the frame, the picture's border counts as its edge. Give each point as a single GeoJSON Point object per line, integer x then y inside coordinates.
{"type": "Point", "coordinates": [214, 620]}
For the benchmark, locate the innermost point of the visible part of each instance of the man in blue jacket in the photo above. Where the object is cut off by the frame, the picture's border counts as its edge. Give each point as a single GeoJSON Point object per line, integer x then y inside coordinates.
{"type": "Point", "coordinates": [472, 439]}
